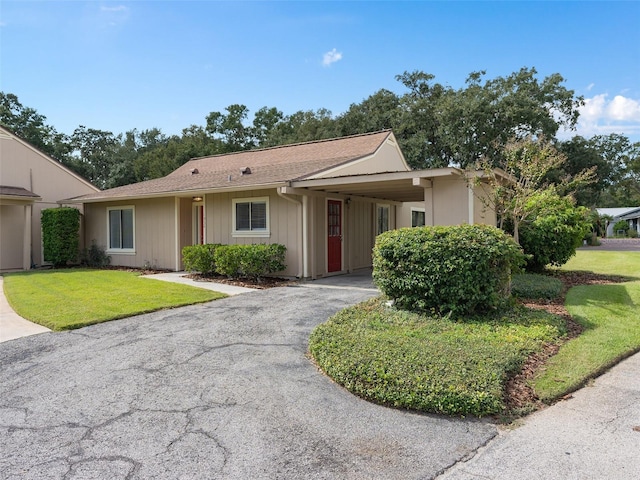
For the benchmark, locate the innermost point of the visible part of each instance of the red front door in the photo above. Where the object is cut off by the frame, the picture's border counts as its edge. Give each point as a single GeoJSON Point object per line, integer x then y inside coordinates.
{"type": "Point", "coordinates": [334, 230]}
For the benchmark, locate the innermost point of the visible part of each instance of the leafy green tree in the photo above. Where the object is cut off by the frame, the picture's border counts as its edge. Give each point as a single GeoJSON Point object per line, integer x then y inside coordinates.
{"type": "Point", "coordinates": [380, 111]}
{"type": "Point", "coordinates": [303, 126]}
{"type": "Point", "coordinates": [95, 153]}
{"type": "Point", "coordinates": [230, 127]}
{"type": "Point", "coordinates": [31, 126]}
{"type": "Point", "coordinates": [623, 157]}
{"type": "Point", "coordinates": [265, 121]}
{"type": "Point", "coordinates": [524, 173]}
{"type": "Point", "coordinates": [554, 228]}
{"type": "Point", "coordinates": [582, 154]}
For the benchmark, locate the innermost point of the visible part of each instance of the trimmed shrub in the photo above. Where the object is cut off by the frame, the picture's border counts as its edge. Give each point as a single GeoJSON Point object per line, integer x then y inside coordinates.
{"type": "Point", "coordinates": [458, 269]}
{"type": "Point", "coordinates": [228, 259]}
{"type": "Point", "coordinates": [200, 258]}
{"type": "Point", "coordinates": [555, 229]}
{"type": "Point", "coordinates": [95, 256]}
{"type": "Point", "coordinates": [621, 226]}
{"type": "Point", "coordinates": [60, 235]}
{"type": "Point", "coordinates": [530, 285]}
{"type": "Point", "coordinates": [250, 261]}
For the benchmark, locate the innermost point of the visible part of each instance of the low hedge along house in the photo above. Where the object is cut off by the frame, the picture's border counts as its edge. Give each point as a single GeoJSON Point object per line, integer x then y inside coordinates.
{"type": "Point", "coordinates": [324, 200]}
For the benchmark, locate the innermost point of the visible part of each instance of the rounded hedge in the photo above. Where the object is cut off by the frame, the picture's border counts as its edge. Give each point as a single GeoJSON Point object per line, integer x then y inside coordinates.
{"type": "Point", "coordinates": [456, 269]}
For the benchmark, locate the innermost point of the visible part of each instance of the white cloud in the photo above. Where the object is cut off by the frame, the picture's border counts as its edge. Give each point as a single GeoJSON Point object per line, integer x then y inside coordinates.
{"type": "Point", "coordinates": [331, 57]}
{"type": "Point", "coordinates": [118, 8]}
{"type": "Point", "coordinates": [624, 109]}
{"type": "Point", "coordinates": [590, 86]}
{"type": "Point", "coordinates": [601, 116]}
{"type": "Point", "coordinates": [115, 15]}
{"type": "Point", "coordinates": [593, 108]}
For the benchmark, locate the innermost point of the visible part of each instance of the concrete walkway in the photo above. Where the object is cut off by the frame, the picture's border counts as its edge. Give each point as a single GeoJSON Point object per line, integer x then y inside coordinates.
{"type": "Point", "coordinates": [181, 277]}
{"type": "Point", "coordinates": [595, 434]}
{"type": "Point", "coordinates": [12, 325]}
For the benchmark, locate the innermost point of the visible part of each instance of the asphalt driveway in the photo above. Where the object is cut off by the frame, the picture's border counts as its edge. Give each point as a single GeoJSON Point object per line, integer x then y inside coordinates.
{"type": "Point", "coordinates": [220, 390]}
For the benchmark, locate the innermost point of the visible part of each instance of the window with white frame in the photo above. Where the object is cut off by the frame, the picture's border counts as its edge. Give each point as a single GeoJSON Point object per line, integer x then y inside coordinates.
{"type": "Point", "coordinates": [382, 219]}
{"type": "Point", "coordinates": [251, 217]}
{"type": "Point", "coordinates": [417, 217]}
{"type": "Point", "coordinates": [121, 229]}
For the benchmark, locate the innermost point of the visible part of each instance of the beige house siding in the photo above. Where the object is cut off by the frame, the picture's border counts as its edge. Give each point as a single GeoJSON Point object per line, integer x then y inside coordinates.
{"type": "Point", "coordinates": [11, 237]}
{"type": "Point", "coordinates": [360, 234]}
{"type": "Point", "coordinates": [154, 227]}
{"type": "Point", "coordinates": [388, 158]}
{"type": "Point", "coordinates": [22, 165]}
{"type": "Point", "coordinates": [284, 223]}
{"type": "Point", "coordinates": [450, 203]}
{"type": "Point", "coordinates": [483, 211]}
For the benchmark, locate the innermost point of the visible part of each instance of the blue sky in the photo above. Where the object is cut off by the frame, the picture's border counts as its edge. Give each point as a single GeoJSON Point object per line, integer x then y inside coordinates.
{"type": "Point", "coordinates": [119, 65]}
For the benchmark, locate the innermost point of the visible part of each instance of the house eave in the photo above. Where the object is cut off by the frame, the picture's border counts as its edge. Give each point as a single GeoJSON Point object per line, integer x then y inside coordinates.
{"type": "Point", "coordinates": [173, 193]}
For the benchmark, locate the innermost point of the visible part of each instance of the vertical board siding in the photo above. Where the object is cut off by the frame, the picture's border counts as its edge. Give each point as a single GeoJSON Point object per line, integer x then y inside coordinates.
{"type": "Point", "coordinates": [154, 232]}
{"type": "Point", "coordinates": [284, 224]}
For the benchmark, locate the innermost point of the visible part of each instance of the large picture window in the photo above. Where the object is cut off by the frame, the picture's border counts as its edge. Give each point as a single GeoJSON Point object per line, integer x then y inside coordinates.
{"type": "Point", "coordinates": [251, 217]}
{"type": "Point", "coordinates": [121, 226]}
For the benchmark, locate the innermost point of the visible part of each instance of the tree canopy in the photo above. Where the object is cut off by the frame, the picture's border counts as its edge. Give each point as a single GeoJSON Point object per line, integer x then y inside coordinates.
{"type": "Point", "coordinates": [436, 125]}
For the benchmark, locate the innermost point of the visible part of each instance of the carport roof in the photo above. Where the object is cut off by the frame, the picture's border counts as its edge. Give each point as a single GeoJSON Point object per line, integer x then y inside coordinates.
{"type": "Point", "coordinates": [392, 186]}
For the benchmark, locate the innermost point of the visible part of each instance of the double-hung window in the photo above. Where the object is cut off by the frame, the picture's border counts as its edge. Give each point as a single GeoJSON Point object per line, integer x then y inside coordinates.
{"type": "Point", "coordinates": [251, 217]}
{"type": "Point", "coordinates": [121, 227]}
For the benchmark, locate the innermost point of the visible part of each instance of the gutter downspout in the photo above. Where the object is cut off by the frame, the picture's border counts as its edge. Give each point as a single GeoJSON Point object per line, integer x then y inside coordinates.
{"type": "Point", "coordinates": [302, 221]}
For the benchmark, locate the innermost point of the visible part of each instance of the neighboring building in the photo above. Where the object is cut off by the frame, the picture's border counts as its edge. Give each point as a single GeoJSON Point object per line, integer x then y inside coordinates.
{"type": "Point", "coordinates": [30, 181]}
{"type": "Point", "coordinates": [325, 201]}
{"type": "Point", "coordinates": [630, 214]}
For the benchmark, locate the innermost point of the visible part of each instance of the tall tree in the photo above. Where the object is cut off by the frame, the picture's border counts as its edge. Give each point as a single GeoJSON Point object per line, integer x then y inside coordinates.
{"type": "Point", "coordinates": [230, 127]}
{"type": "Point", "coordinates": [527, 163]}
{"type": "Point", "coordinates": [379, 111]}
{"type": "Point", "coordinates": [95, 154]}
{"type": "Point", "coordinates": [31, 126]}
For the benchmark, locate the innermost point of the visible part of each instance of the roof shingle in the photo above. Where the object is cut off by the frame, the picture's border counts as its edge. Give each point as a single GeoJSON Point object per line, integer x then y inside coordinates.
{"type": "Point", "coordinates": [268, 166]}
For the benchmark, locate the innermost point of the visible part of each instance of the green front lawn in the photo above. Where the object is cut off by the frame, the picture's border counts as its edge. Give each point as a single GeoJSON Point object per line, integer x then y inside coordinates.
{"type": "Point", "coordinates": [67, 299]}
{"type": "Point", "coordinates": [610, 315]}
{"type": "Point", "coordinates": [435, 364]}
{"type": "Point", "coordinates": [429, 363]}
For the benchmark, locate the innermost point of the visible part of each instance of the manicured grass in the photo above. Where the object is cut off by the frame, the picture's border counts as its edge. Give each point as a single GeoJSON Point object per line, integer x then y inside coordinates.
{"type": "Point", "coordinates": [431, 364]}
{"type": "Point", "coordinates": [610, 315]}
{"type": "Point", "coordinates": [625, 264]}
{"type": "Point", "coordinates": [533, 286]}
{"type": "Point", "coordinates": [67, 299]}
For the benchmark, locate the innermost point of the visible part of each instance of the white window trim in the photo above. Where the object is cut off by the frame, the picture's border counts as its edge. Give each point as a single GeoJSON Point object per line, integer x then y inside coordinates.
{"type": "Point", "coordinates": [418, 209]}
{"type": "Point", "coordinates": [250, 233]}
{"type": "Point", "coordinates": [388, 207]}
{"type": "Point", "coordinates": [125, 251]}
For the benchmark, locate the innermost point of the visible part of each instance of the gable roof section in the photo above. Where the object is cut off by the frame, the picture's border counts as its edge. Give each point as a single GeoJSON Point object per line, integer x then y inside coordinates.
{"type": "Point", "coordinates": [9, 134]}
{"type": "Point", "coordinates": [269, 167]}
{"type": "Point", "coordinates": [620, 212]}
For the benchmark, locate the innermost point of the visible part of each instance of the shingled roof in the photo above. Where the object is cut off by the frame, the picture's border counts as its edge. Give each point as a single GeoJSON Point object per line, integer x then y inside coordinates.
{"type": "Point", "coordinates": [269, 166]}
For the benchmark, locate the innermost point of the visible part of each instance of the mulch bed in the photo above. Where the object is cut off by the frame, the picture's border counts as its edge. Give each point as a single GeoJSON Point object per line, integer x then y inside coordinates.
{"type": "Point", "coordinates": [519, 395]}
{"type": "Point", "coordinates": [261, 284]}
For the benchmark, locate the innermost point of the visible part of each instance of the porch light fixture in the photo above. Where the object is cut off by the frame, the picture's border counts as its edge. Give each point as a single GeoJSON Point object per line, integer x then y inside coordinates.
{"type": "Point", "coordinates": [197, 199]}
